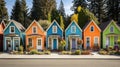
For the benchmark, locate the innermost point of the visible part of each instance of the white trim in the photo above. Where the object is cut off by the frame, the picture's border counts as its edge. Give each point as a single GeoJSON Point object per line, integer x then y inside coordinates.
{"type": "Point", "coordinates": [86, 41]}
{"type": "Point", "coordinates": [12, 21]}
{"type": "Point", "coordinates": [54, 21]}
{"type": "Point", "coordinates": [33, 30]}
{"type": "Point", "coordinates": [98, 39]}
{"type": "Point", "coordinates": [41, 43]}
{"type": "Point", "coordinates": [3, 23]}
{"type": "Point", "coordinates": [14, 42]}
{"type": "Point", "coordinates": [72, 29]}
{"type": "Point", "coordinates": [94, 24]}
{"type": "Point", "coordinates": [112, 21]}
{"type": "Point", "coordinates": [32, 41]}
{"type": "Point", "coordinates": [71, 24]}
{"type": "Point", "coordinates": [93, 28]}
{"type": "Point", "coordinates": [53, 43]}
{"type": "Point", "coordinates": [53, 29]}
{"type": "Point", "coordinates": [5, 47]}
{"type": "Point", "coordinates": [10, 29]}
{"type": "Point", "coordinates": [32, 24]}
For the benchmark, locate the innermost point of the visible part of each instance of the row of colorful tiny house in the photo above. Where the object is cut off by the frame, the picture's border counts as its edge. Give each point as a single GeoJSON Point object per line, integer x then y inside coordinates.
{"type": "Point", "coordinates": [35, 37]}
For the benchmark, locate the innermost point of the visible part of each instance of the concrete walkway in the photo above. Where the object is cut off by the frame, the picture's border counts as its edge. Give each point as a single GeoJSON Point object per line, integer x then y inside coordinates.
{"type": "Point", "coordinates": [55, 55]}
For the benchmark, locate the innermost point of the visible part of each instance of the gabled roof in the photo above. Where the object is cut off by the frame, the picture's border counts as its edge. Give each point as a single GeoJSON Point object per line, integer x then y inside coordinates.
{"type": "Point", "coordinates": [71, 24]}
{"type": "Point", "coordinates": [54, 21]}
{"type": "Point", "coordinates": [37, 24]}
{"type": "Point", "coordinates": [104, 26]}
{"type": "Point", "coordinates": [87, 24]}
{"type": "Point", "coordinates": [3, 23]}
{"type": "Point", "coordinates": [17, 24]}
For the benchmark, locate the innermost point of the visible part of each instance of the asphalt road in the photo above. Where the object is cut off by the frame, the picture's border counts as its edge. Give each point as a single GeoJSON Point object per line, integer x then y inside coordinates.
{"type": "Point", "coordinates": [58, 63]}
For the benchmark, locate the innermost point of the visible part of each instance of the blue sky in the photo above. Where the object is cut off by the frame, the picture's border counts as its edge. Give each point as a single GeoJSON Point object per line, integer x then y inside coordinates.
{"type": "Point", "coordinates": [67, 5]}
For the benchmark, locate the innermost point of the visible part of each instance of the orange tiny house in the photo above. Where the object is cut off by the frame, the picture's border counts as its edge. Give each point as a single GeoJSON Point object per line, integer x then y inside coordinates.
{"type": "Point", "coordinates": [35, 36]}
{"type": "Point", "coordinates": [91, 35]}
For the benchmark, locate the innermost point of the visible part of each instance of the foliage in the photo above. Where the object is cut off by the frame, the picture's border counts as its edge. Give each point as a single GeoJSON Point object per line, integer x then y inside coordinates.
{"type": "Point", "coordinates": [85, 52]}
{"type": "Point", "coordinates": [34, 51]}
{"type": "Point", "coordinates": [66, 52]}
{"type": "Point", "coordinates": [20, 49]}
{"type": "Point", "coordinates": [47, 52]}
{"type": "Point", "coordinates": [102, 52]}
{"type": "Point", "coordinates": [63, 43]}
{"type": "Point", "coordinates": [3, 11]}
{"type": "Point", "coordinates": [61, 22]}
{"type": "Point", "coordinates": [79, 42]}
{"type": "Point", "coordinates": [77, 52]}
{"type": "Point", "coordinates": [74, 17]}
{"type": "Point", "coordinates": [44, 23]}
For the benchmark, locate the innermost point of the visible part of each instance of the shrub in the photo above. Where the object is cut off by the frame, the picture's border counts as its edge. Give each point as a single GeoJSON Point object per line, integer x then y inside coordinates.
{"type": "Point", "coordinates": [34, 51]}
{"type": "Point", "coordinates": [77, 52]}
{"type": "Point", "coordinates": [40, 53]}
{"type": "Point", "coordinates": [110, 48]}
{"type": "Point", "coordinates": [103, 52]}
{"type": "Point", "coordinates": [47, 52]}
{"type": "Point", "coordinates": [66, 52]}
{"type": "Point", "coordinates": [85, 52]}
{"type": "Point", "coordinates": [111, 52]}
{"type": "Point", "coordinates": [117, 53]}
{"type": "Point", "coordinates": [21, 49]}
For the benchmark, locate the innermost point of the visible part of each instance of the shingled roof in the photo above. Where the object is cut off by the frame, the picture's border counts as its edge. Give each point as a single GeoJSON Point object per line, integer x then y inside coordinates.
{"type": "Point", "coordinates": [18, 25]}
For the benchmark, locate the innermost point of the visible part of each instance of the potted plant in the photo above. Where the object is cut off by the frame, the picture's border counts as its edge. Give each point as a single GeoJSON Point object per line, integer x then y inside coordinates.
{"type": "Point", "coordinates": [79, 43]}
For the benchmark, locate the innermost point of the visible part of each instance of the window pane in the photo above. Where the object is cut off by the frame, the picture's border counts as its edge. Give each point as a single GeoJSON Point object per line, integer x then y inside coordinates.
{"type": "Point", "coordinates": [12, 29]}
{"type": "Point", "coordinates": [54, 29]}
{"type": "Point", "coordinates": [34, 30]}
{"type": "Point", "coordinates": [92, 28]}
{"type": "Point", "coordinates": [96, 41]}
{"type": "Point", "coordinates": [111, 29]}
{"type": "Point", "coordinates": [30, 41]}
{"type": "Point", "coordinates": [39, 42]}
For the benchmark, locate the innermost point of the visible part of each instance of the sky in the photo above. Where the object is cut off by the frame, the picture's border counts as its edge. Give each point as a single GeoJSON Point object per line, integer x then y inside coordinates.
{"type": "Point", "coordinates": [67, 5]}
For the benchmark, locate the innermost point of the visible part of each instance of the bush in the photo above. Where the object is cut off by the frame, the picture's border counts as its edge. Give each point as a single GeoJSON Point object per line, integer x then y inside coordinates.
{"type": "Point", "coordinates": [110, 48]}
{"type": "Point", "coordinates": [34, 51]}
{"type": "Point", "coordinates": [111, 52]}
{"type": "Point", "coordinates": [117, 53]}
{"type": "Point", "coordinates": [66, 52]}
{"type": "Point", "coordinates": [103, 52]}
{"type": "Point", "coordinates": [85, 52]}
{"type": "Point", "coordinates": [21, 49]}
{"type": "Point", "coordinates": [77, 52]}
{"type": "Point", "coordinates": [47, 52]}
{"type": "Point", "coordinates": [40, 53]}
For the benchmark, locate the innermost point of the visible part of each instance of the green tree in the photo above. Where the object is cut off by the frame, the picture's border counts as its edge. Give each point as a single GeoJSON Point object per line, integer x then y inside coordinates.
{"type": "Point", "coordinates": [41, 8]}
{"type": "Point", "coordinates": [3, 11]}
{"type": "Point", "coordinates": [61, 22]}
{"type": "Point", "coordinates": [17, 13]}
{"type": "Point", "coordinates": [63, 44]}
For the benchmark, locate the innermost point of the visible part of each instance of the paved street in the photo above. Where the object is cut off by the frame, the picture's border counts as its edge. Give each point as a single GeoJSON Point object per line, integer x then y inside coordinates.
{"type": "Point", "coordinates": [58, 63]}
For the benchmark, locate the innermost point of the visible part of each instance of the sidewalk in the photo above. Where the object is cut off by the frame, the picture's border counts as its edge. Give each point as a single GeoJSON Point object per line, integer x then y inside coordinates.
{"type": "Point", "coordinates": [55, 55]}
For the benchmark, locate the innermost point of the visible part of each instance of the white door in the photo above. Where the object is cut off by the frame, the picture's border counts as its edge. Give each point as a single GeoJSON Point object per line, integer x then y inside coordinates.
{"type": "Point", "coordinates": [108, 41]}
{"type": "Point", "coordinates": [39, 44]}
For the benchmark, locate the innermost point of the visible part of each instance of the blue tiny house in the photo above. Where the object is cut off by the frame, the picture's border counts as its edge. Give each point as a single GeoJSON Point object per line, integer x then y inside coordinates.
{"type": "Point", "coordinates": [13, 36]}
{"type": "Point", "coordinates": [54, 34]}
{"type": "Point", "coordinates": [72, 33]}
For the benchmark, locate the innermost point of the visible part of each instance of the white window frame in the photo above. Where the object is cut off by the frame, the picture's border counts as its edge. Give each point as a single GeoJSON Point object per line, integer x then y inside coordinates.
{"type": "Point", "coordinates": [16, 39]}
{"type": "Point", "coordinates": [32, 42]}
{"type": "Point", "coordinates": [7, 38]}
{"type": "Point", "coordinates": [54, 30]}
{"type": "Point", "coordinates": [97, 40]}
{"type": "Point", "coordinates": [110, 29]}
{"type": "Point", "coordinates": [33, 29]}
{"type": "Point", "coordinates": [93, 28]}
{"type": "Point", "coordinates": [10, 29]}
{"type": "Point", "coordinates": [72, 29]}
{"type": "Point", "coordinates": [39, 39]}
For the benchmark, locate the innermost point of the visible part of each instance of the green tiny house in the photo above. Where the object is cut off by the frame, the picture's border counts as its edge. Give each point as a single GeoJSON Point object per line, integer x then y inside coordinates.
{"type": "Point", "coordinates": [110, 33]}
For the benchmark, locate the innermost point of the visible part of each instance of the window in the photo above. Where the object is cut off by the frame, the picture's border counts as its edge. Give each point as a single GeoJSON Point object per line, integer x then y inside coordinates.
{"type": "Point", "coordinates": [115, 39]}
{"type": "Point", "coordinates": [111, 29]}
{"type": "Point", "coordinates": [30, 42]}
{"type": "Point", "coordinates": [92, 29]}
{"type": "Point", "coordinates": [96, 40]}
{"type": "Point", "coordinates": [39, 42]}
{"type": "Point", "coordinates": [34, 30]}
{"type": "Point", "coordinates": [12, 29]}
{"type": "Point", "coordinates": [73, 29]}
{"type": "Point", "coordinates": [16, 41]}
{"type": "Point", "coordinates": [54, 29]}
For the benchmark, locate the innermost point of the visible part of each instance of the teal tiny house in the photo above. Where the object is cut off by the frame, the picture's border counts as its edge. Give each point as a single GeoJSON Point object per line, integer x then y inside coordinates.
{"type": "Point", "coordinates": [13, 36]}
{"type": "Point", "coordinates": [72, 33]}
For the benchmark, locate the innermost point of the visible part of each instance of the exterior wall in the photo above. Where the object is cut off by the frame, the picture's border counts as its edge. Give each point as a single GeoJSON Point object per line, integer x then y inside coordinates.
{"type": "Point", "coordinates": [68, 32]}
{"type": "Point", "coordinates": [49, 32]}
{"type": "Point", "coordinates": [92, 35]}
{"type": "Point", "coordinates": [107, 31]}
{"type": "Point", "coordinates": [6, 32]}
{"type": "Point", "coordinates": [34, 38]}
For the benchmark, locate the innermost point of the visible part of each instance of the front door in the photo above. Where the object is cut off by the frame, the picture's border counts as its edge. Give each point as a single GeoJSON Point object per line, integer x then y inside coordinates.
{"type": "Point", "coordinates": [39, 44]}
{"type": "Point", "coordinates": [88, 42]}
{"type": "Point", "coordinates": [54, 44]}
{"type": "Point", "coordinates": [16, 43]}
{"type": "Point", "coordinates": [107, 41]}
{"type": "Point", "coordinates": [73, 43]}
{"type": "Point", "coordinates": [8, 44]}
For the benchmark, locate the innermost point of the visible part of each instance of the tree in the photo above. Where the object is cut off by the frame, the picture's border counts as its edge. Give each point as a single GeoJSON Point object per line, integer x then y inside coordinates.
{"type": "Point", "coordinates": [17, 13]}
{"type": "Point", "coordinates": [25, 13]}
{"type": "Point", "coordinates": [77, 3]}
{"type": "Point", "coordinates": [99, 8]}
{"type": "Point", "coordinates": [3, 11]}
{"type": "Point", "coordinates": [61, 22]}
{"type": "Point", "coordinates": [74, 17]}
{"type": "Point", "coordinates": [41, 8]}
{"type": "Point", "coordinates": [113, 9]}
{"type": "Point", "coordinates": [63, 44]}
